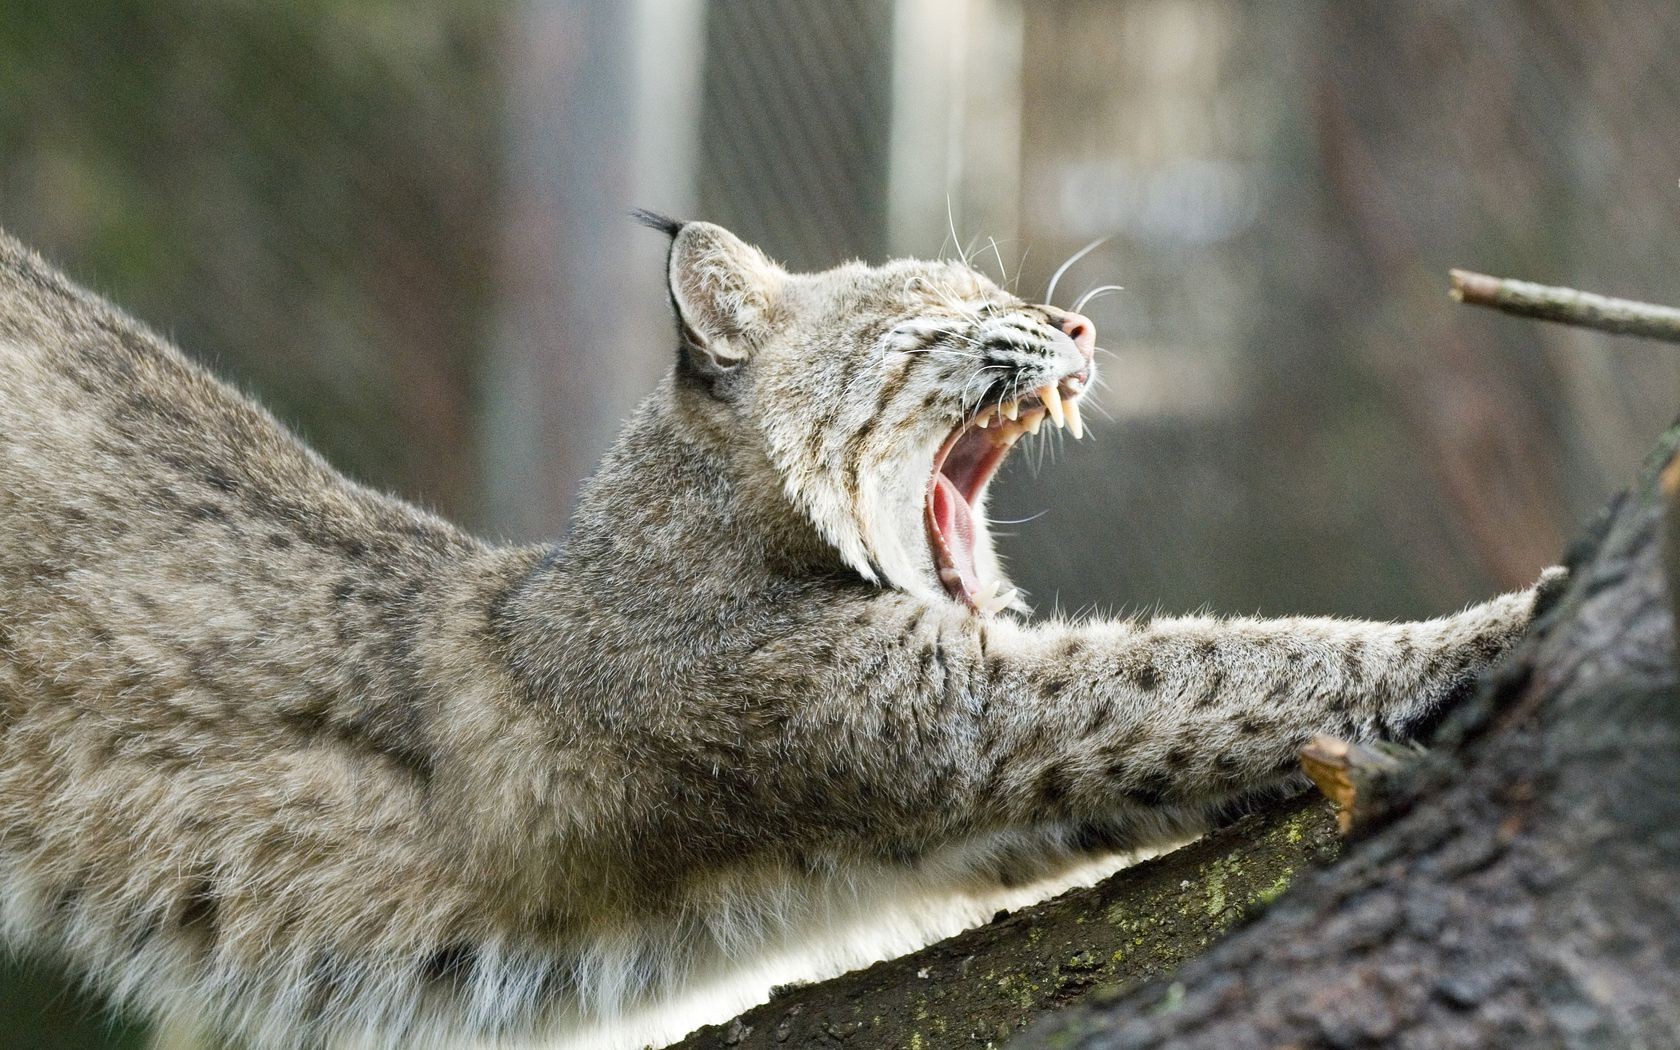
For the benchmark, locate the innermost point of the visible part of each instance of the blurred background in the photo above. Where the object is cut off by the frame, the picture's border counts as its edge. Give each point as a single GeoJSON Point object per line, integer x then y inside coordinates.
{"type": "Point", "coordinates": [402, 224]}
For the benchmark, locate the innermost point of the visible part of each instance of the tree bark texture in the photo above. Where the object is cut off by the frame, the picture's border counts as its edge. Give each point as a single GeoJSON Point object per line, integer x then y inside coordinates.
{"type": "Point", "coordinates": [1521, 889]}
{"type": "Point", "coordinates": [1517, 887]}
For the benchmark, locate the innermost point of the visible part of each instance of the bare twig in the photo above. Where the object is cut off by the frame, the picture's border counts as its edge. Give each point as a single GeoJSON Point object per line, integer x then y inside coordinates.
{"type": "Point", "coordinates": [1567, 306]}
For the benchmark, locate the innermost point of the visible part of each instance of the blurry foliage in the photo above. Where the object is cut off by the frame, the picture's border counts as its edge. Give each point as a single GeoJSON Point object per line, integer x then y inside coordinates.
{"type": "Point", "coordinates": [42, 1009]}
{"type": "Point", "coordinates": [300, 193]}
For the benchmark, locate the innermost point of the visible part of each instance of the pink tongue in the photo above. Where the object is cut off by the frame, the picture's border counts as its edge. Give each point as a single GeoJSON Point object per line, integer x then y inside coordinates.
{"type": "Point", "coordinates": [955, 521]}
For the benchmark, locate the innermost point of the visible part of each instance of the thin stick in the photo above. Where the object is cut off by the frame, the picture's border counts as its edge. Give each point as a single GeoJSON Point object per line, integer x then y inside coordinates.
{"type": "Point", "coordinates": [1567, 306]}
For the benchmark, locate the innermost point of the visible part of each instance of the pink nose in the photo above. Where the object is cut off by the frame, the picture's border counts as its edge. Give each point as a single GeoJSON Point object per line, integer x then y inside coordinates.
{"type": "Point", "coordinates": [1077, 327]}
{"type": "Point", "coordinates": [1083, 333]}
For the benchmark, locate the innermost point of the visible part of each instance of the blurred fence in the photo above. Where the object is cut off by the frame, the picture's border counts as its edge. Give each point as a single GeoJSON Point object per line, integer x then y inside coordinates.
{"type": "Point", "coordinates": [795, 125]}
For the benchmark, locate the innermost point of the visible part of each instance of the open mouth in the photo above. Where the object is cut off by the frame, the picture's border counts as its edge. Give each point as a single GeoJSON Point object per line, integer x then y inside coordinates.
{"type": "Point", "coordinates": [964, 466]}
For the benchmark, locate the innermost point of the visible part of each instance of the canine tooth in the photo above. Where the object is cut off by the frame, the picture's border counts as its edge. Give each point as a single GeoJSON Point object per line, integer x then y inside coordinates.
{"type": "Point", "coordinates": [1074, 423]}
{"type": "Point", "coordinates": [1012, 410]}
{"type": "Point", "coordinates": [1052, 399]}
{"type": "Point", "coordinates": [997, 602]}
{"type": "Point", "coordinates": [987, 595]}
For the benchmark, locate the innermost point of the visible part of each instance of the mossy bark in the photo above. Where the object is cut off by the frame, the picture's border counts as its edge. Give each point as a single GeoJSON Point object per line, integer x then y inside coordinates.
{"type": "Point", "coordinates": [980, 987]}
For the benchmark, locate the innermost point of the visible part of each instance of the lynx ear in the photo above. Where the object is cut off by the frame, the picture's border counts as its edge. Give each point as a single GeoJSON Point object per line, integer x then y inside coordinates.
{"type": "Point", "coordinates": [723, 289]}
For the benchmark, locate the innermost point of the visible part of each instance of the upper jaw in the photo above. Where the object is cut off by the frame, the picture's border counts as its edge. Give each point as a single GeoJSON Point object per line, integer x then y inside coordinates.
{"type": "Point", "coordinates": [1058, 402]}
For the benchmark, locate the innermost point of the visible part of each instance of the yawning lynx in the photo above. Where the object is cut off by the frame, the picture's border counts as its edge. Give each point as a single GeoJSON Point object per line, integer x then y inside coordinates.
{"type": "Point", "coordinates": [295, 758]}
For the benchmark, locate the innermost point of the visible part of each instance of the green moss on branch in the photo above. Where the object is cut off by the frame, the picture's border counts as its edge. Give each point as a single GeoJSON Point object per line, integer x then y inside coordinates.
{"type": "Point", "coordinates": [979, 987]}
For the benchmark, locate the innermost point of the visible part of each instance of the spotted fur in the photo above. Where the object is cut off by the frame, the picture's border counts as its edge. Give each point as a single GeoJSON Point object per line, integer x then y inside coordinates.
{"type": "Point", "coordinates": [296, 760]}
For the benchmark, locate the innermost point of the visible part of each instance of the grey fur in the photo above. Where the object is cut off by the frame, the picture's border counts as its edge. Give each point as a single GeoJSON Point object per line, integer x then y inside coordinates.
{"type": "Point", "coordinates": [291, 755]}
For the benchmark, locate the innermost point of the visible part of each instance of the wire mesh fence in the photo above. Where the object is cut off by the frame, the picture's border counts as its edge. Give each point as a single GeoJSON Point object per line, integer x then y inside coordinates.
{"type": "Point", "coordinates": [795, 123]}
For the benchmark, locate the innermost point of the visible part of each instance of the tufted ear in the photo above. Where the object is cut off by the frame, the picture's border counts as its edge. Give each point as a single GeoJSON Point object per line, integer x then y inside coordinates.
{"type": "Point", "coordinates": [723, 290]}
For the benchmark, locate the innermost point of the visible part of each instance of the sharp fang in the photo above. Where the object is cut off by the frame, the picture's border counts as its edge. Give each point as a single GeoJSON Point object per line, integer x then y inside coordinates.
{"type": "Point", "coordinates": [1074, 423]}
{"type": "Point", "coordinates": [997, 602]}
{"type": "Point", "coordinates": [987, 595]}
{"type": "Point", "coordinates": [983, 422]}
{"type": "Point", "coordinates": [1052, 399]}
{"type": "Point", "coordinates": [1012, 410]}
{"type": "Point", "coordinates": [1035, 419]}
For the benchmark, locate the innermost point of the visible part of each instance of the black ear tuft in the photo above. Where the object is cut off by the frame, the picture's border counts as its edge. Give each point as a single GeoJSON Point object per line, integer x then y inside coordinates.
{"type": "Point", "coordinates": [654, 221]}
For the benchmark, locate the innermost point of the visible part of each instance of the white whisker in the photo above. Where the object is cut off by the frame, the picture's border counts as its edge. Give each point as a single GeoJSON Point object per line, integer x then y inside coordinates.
{"type": "Point", "coordinates": [951, 221]}
{"type": "Point", "coordinates": [1003, 271]}
{"type": "Point", "coordinates": [1050, 292]}
{"type": "Point", "coordinates": [1019, 521]}
{"type": "Point", "coordinates": [1095, 293]}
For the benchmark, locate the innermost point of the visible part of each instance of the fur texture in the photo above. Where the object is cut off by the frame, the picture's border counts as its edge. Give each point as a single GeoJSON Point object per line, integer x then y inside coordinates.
{"type": "Point", "coordinates": [294, 758]}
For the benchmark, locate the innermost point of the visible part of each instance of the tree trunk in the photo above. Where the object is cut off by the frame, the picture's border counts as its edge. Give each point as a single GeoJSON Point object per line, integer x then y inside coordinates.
{"type": "Point", "coordinates": [1520, 887]}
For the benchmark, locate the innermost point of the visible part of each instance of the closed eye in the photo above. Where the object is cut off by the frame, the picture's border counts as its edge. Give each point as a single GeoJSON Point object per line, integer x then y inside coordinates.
{"type": "Point", "coordinates": [920, 335]}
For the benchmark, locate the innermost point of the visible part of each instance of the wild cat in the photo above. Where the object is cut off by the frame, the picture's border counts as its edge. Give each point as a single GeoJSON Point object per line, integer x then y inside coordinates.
{"type": "Point", "coordinates": [293, 758]}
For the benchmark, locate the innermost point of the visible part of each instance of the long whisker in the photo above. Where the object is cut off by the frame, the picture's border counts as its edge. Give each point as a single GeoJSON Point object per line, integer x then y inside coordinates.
{"type": "Point", "coordinates": [1003, 271]}
{"type": "Point", "coordinates": [1095, 293]}
{"type": "Point", "coordinates": [1050, 292]}
{"type": "Point", "coordinates": [951, 221]}
{"type": "Point", "coordinates": [1019, 521]}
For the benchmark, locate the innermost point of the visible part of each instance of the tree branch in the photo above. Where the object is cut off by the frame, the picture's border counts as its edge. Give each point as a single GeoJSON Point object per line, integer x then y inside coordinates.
{"type": "Point", "coordinates": [1567, 306]}
{"type": "Point", "coordinates": [977, 988]}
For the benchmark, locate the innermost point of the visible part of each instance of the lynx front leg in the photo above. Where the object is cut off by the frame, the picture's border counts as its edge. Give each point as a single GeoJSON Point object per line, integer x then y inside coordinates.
{"type": "Point", "coordinates": [1107, 719]}
{"type": "Point", "coordinates": [929, 726]}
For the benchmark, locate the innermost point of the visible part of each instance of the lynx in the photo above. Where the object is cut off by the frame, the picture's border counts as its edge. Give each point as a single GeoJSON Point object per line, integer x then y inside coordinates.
{"type": "Point", "coordinates": [291, 758]}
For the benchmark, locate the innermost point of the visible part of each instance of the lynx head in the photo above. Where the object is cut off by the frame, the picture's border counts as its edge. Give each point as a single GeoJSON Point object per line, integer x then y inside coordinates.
{"type": "Point", "coordinates": [884, 398]}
